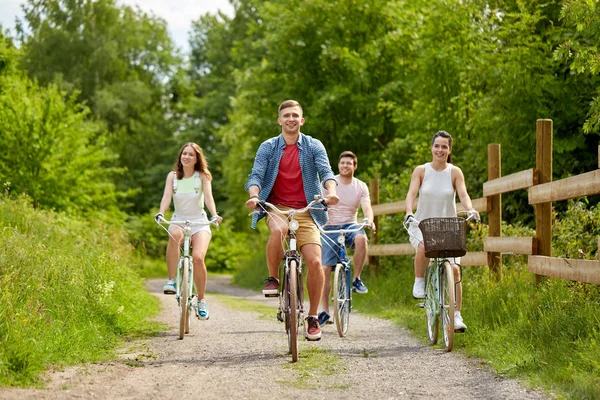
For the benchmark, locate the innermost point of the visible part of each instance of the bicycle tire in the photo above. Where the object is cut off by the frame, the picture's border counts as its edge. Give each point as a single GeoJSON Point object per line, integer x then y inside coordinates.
{"type": "Point", "coordinates": [447, 304]}
{"type": "Point", "coordinates": [431, 304]}
{"type": "Point", "coordinates": [183, 298]}
{"type": "Point", "coordinates": [341, 300]}
{"type": "Point", "coordinates": [292, 309]}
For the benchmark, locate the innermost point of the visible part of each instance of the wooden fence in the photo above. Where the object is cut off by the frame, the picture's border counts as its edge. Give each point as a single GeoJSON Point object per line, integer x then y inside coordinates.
{"type": "Point", "coordinates": [542, 191]}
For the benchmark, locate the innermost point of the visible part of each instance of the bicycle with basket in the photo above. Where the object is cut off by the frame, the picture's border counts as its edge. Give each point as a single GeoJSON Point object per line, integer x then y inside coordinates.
{"type": "Point", "coordinates": [443, 238]}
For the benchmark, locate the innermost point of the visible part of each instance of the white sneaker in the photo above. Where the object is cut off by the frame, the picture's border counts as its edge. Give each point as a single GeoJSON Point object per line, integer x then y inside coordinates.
{"type": "Point", "coordinates": [202, 310]}
{"type": "Point", "coordinates": [419, 289]}
{"type": "Point", "coordinates": [459, 325]}
{"type": "Point", "coordinates": [169, 287]}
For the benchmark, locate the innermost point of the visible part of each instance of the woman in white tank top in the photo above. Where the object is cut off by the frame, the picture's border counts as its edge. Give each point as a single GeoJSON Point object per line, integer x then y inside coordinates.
{"type": "Point", "coordinates": [437, 184]}
{"type": "Point", "coordinates": [189, 186]}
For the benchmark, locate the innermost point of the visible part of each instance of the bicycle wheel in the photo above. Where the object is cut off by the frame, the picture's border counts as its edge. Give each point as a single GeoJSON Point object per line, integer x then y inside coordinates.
{"type": "Point", "coordinates": [189, 296]}
{"type": "Point", "coordinates": [431, 304]}
{"type": "Point", "coordinates": [292, 309]}
{"type": "Point", "coordinates": [341, 300]}
{"type": "Point", "coordinates": [183, 299]}
{"type": "Point", "coordinates": [447, 306]}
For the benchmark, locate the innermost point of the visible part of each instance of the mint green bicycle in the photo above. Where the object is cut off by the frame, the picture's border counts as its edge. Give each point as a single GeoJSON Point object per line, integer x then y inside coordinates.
{"type": "Point", "coordinates": [186, 293]}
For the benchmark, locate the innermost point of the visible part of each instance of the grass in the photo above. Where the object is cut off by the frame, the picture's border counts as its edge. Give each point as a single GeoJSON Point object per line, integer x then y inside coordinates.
{"type": "Point", "coordinates": [68, 292]}
{"type": "Point", "coordinates": [547, 335]}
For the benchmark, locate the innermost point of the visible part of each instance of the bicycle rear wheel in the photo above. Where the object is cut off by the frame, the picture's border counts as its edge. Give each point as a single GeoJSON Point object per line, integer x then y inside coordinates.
{"type": "Point", "coordinates": [183, 298]}
{"type": "Point", "coordinates": [341, 300]}
{"type": "Point", "coordinates": [431, 304]}
{"type": "Point", "coordinates": [447, 297]}
{"type": "Point", "coordinates": [292, 309]}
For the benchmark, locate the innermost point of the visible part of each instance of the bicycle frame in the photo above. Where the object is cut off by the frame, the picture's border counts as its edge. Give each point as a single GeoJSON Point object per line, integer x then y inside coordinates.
{"type": "Point", "coordinates": [342, 286]}
{"type": "Point", "coordinates": [291, 290]}
{"type": "Point", "coordinates": [184, 281]}
{"type": "Point", "coordinates": [439, 300]}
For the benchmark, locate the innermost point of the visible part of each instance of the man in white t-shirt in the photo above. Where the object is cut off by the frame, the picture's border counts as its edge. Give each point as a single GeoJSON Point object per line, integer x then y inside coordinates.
{"type": "Point", "coordinates": [352, 193]}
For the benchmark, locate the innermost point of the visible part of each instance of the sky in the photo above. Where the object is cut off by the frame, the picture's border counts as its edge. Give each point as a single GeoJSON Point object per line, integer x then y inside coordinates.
{"type": "Point", "coordinates": [178, 13]}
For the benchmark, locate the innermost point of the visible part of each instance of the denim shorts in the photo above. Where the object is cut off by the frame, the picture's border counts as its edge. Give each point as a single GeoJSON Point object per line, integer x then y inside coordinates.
{"type": "Point", "coordinates": [330, 244]}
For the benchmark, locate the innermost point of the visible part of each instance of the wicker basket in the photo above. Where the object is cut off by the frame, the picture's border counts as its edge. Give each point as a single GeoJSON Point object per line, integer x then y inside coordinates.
{"type": "Point", "coordinates": [444, 237]}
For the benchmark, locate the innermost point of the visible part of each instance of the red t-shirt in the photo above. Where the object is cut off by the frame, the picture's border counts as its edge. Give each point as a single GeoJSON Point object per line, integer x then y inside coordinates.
{"type": "Point", "coordinates": [289, 189]}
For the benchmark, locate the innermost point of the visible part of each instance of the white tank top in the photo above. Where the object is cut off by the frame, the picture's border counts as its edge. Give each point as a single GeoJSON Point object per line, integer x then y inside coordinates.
{"type": "Point", "coordinates": [188, 198]}
{"type": "Point", "coordinates": [437, 197]}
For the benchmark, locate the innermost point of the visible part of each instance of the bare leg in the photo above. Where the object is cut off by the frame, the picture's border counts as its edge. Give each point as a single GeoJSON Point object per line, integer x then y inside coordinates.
{"type": "Point", "coordinates": [278, 229]}
{"type": "Point", "coordinates": [172, 255]}
{"type": "Point", "coordinates": [326, 288]}
{"type": "Point", "coordinates": [360, 254]}
{"type": "Point", "coordinates": [200, 243]}
{"type": "Point", "coordinates": [314, 280]}
{"type": "Point", "coordinates": [421, 262]}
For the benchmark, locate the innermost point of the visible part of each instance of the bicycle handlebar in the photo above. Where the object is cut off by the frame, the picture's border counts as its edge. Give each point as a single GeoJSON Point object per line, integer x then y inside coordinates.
{"type": "Point", "coordinates": [471, 215]}
{"type": "Point", "coordinates": [364, 224]}
{"type": "Point", "coordinates": [261, 207]}
{"type": "Point", "coordinates": [213, 221]}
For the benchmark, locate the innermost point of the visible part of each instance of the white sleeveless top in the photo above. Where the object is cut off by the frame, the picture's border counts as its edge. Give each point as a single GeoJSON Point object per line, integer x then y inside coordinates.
{"type": "Point", "coordinates": [437, 197]}
{"type": "Point", "coordinates": [188, 198]}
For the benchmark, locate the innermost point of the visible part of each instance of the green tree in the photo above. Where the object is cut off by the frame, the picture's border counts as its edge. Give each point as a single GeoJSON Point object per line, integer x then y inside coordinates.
{"type": "Point", "coordinates": [120, 60]}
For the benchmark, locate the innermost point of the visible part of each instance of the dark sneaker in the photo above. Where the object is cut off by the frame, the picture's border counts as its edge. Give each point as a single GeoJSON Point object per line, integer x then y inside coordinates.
{"type": "Point", "coordinates": [313, 329]}
{"type": "Point", "coordinates": [325, 318]}
{"type": "Point", "coordinates": [271, 288]}
{"type": "Point", "coordinates": [169, 287]}
{"type": "Point", "coordinates": [359, 287]}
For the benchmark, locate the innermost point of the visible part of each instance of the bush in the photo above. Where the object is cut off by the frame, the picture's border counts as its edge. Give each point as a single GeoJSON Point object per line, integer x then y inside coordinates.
{"type": "Point", "coordinates": [68, 290]}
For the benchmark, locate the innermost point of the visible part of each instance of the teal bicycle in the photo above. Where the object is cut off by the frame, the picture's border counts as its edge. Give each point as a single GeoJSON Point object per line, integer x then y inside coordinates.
{"type": "Point", "coordinates": [186, 293]}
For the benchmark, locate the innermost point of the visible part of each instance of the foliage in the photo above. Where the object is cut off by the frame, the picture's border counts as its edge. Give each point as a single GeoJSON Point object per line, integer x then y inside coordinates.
{"type": "Point", "coordinates": [51, 150]}
{"type": "Point", "coordinates": [575, 234]}
{"type": "Point", "coordinates": [117, 60]}
{"type": "Point", "coordinates": [69, 291]}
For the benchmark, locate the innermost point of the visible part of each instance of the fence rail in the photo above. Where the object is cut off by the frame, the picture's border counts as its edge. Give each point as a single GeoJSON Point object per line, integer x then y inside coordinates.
{"type": "Point", "coordinates": [542, 192]}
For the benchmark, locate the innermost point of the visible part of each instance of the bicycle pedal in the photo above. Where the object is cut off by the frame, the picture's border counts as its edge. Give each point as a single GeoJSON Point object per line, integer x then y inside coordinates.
{"type": "Point", "coordinates": [421, 305]}
{"type": "Point", "coordinates": [271, 295]}
{"type": "Point", "coordinates": [459, 331]}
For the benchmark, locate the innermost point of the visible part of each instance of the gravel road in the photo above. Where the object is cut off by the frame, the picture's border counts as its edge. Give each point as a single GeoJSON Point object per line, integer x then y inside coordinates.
{"type": "Point", "coordinates": [240, 354]}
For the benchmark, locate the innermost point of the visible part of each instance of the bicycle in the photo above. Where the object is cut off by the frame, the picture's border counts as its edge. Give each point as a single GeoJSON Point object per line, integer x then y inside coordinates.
{"type": "Point", "coordinates": [342, 284]}
{"type": "Point", "coordinates": [443, 238]}
{"type": "Point", "coordinates": [186, 293]}
{"type": "Point", "coordinates": [291, 289]}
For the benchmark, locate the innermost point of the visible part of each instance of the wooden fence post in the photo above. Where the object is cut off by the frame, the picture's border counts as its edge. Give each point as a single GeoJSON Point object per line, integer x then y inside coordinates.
{"type": "Point", "coordinates": [543, 211]}
{"type": "Point", "coordinates": [495, 212]}
{"type": "Point", "coordinates": [374, 191]}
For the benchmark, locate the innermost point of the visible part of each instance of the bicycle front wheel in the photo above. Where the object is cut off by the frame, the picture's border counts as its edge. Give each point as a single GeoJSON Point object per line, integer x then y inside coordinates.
{"type": "Point", "coordinates": [292, 308]}
{"type": "Point", "coordinates": [341, 300]}
{"type": "Point", "coordinates": [447, 306]}
{"type": "Point", "coordinates": [183, 298]}
{"type": "Point", "coordinates": [431, 304]}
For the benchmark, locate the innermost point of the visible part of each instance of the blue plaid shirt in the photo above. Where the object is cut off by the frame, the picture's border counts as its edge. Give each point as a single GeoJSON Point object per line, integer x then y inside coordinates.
{"type": "Point", "coordinates": [313, 162]}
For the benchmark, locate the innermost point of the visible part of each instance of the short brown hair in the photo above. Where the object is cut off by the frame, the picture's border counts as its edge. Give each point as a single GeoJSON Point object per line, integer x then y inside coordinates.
{"type": "Point", "coordinates": [350, 154]}
{"type": "Point", "coordinates": [288, 104]}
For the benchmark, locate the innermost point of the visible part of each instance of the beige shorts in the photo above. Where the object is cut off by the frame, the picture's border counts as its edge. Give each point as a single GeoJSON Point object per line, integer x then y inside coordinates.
{"type": "Point", "coordinates": [307, 233]}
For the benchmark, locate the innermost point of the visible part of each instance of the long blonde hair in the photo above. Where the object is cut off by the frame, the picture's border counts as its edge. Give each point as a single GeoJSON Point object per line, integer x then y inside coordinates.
{"type": "Point", "coordinates": [201, 163]}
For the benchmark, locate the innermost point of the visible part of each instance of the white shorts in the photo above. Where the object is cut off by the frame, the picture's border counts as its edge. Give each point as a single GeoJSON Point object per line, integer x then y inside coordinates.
{"type": "Point", "coordinates": [195, 229]}
{"type": "Point", "coordinates": [416, 237]}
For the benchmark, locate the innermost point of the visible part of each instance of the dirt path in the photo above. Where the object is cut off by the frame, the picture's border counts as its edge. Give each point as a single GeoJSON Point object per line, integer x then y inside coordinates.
{"type": "Point", "coordinates": [242, 355]}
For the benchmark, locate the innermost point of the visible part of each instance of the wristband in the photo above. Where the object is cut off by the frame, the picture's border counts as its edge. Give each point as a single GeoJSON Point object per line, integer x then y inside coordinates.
{"type": "Point", "coordinates": [254, 197]}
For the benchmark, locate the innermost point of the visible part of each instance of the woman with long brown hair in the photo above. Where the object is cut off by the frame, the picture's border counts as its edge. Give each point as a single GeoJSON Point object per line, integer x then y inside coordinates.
{"type": "Point", "coordinates": [189, 187]}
